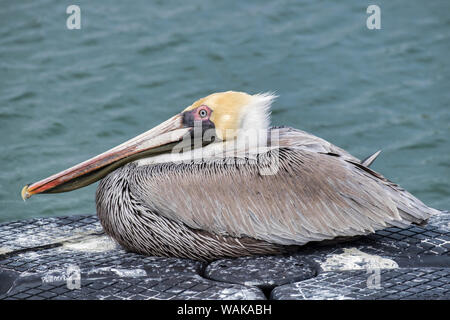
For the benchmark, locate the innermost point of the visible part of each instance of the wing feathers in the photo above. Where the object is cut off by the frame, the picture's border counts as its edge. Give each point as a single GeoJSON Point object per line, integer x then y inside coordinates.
{"type": "Point", "coordinates": [313, 196]}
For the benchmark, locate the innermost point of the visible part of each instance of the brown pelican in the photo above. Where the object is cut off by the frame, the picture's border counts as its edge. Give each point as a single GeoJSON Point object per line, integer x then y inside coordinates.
{"type": "Point", "coordinates": [216, 181]}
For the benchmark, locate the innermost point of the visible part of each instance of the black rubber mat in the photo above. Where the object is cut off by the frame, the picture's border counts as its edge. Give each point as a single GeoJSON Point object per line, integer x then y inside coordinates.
{"type": "Point", "coordinates": [71, 258]}
{"type": "Point", "coordinates": [408, 283]}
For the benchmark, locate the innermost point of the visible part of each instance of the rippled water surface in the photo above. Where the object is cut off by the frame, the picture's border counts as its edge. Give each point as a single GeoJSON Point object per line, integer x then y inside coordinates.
{"type": "Point", "coordinates": [66, 95]}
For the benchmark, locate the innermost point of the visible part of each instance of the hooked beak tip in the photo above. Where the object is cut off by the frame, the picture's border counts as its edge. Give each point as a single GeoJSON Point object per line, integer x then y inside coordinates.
{"type": "Point", "coordinates": [25, 194]}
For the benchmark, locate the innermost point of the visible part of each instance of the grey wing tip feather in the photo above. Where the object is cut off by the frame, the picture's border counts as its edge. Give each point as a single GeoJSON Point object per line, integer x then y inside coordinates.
{"type": "Point", "coordinates": [370, 159]}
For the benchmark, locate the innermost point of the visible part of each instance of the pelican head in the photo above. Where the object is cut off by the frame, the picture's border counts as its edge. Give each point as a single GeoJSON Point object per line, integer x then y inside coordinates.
{"type": "Point", "coordinates": [231, 113]}
{"type": "Point", "coordinates": [226, 116]}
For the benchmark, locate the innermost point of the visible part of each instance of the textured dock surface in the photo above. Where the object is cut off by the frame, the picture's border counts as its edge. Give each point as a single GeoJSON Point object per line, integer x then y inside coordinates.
{"type": "Point", "coordinates": [71, 258]}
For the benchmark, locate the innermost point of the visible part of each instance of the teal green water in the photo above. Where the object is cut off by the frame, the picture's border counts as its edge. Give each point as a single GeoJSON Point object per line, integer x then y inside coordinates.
{"type": "Point", "coordinates": [66, 95]}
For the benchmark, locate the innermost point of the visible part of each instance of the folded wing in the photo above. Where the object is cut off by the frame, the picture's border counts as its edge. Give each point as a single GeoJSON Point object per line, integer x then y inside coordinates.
{"type": "Point", "coordinates": [318, 192]}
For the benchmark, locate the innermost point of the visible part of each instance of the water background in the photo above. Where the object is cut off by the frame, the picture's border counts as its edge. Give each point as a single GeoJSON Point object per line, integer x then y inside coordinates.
{"type": "Point", "coordinates": [66, 95]}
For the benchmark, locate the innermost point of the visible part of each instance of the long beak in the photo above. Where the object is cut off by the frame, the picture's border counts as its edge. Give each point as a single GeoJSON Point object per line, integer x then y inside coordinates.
{"type": "Point", "coordinates": [160, 139]}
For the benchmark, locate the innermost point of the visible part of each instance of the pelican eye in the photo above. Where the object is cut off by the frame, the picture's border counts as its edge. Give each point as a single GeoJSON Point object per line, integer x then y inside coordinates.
{"type": "Point", "coordinates": [202, 113]}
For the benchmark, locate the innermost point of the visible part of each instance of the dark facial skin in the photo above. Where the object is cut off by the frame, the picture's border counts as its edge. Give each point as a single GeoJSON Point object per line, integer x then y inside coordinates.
{"type": "Point", "coordinates": [198, 116]}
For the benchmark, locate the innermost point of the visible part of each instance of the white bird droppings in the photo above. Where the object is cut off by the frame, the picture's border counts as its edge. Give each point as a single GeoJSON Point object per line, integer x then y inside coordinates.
{"type": "Point", "coordinates": [354, 259]}
{"type": "Point", "coordinates": [96, 244]}
{"type": "Point", "coordinates": [4, 250]}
